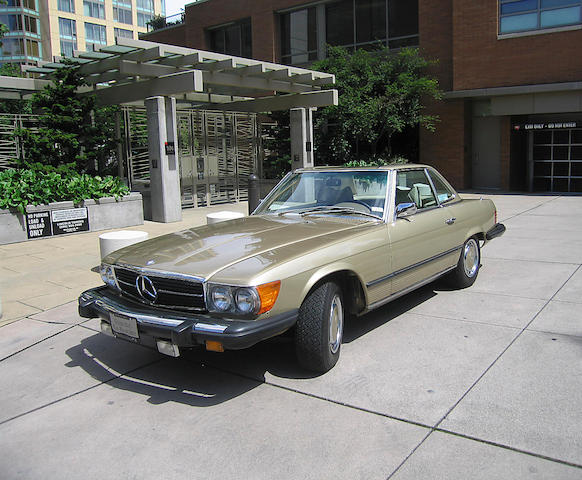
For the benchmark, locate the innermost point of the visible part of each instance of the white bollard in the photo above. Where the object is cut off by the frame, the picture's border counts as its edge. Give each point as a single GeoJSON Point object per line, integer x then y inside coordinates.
{"type": "Point", "coordinates": [111, 241]}
{"type": "Point", "coordinates": [222, 216]}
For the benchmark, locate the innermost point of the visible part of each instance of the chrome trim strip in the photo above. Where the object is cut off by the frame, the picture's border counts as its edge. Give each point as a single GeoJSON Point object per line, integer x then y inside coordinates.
{"type": "Point", "coordinates": [373, 283]}
{"type": "Point", "coordinates": [160, 273]}
{"type": "Point", "coordinates": [406, 290]}
{"type": "Point", "coordinates": [206, 327]}
{"type": "Point", "coordinates": [141, 318]}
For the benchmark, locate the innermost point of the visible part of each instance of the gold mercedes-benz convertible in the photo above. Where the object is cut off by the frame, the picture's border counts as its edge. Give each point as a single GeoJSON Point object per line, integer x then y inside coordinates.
{"type": "Point", "coordinates": [326, 244]}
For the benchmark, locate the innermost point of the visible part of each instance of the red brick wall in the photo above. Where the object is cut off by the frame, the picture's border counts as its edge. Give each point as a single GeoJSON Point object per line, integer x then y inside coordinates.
{"type": "Point", "coordinates": [481, 60]}
{"type": "Point", "coordinates": [435, 26]}
{"type": "Point", "coordinates": [446, 148]}
{"type": "Point", "coordinates": [173, 36]}
{"type": "Point", "coordinates": [200, 16]}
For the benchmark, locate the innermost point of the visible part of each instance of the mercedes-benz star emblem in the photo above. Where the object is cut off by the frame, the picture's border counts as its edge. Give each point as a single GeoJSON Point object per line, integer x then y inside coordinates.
{"type": "Point", "coordinates": [145, 287]}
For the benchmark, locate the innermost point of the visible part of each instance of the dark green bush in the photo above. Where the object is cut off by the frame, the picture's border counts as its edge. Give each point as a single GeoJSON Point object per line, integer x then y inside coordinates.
{"type": "Point", "coordinates": [42, 184]}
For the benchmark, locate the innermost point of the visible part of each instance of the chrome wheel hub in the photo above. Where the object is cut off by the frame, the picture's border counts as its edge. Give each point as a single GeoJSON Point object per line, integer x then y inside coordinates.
{"type": "Point", "coordinates": [336, 323]}
{"type": "Point", "coordinates": [471, 258]}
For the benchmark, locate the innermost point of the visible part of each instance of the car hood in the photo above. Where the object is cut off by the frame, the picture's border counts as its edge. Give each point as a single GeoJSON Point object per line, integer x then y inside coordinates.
{"type": "Point", "coordinates": [206, 250]}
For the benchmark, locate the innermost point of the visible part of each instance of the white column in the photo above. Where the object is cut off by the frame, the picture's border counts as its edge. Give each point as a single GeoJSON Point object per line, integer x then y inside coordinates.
{"type": "Point", "coordinates": [301, 138]}
{"type": "Point", "coordinates": [164, 171]}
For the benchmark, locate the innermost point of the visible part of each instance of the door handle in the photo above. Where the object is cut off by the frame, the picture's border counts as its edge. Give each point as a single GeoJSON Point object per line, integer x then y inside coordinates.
{"type": "Point", "coordinates": [450, 221]}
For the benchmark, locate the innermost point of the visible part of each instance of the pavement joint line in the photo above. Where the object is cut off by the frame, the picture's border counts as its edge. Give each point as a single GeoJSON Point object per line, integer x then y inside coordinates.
{"type": "Point", "coordinates": [57, 284]}
{"type": "Point", "coordinates": [507, 447]}
{"type": "Point", "coordinates": [436, 426]}
{"type": "Point", "coordinates": [465, 320]}
{"type": "Point", "coordinates": [431, 429]}
{"type": "Point", "coordinates": [36, 343]}
{"type": "Point", "coordinates": [531, 261]}
{"type": "Point", "coordinates": [505, 350]}
{"type": "Point", "coordinates": [74, 394]}
{"type": "Point", "coordinates": [505, 219]}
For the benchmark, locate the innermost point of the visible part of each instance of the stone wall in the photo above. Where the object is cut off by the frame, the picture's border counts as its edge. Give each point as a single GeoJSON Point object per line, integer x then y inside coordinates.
{"type": "Point", "coordinates": [103, 214]}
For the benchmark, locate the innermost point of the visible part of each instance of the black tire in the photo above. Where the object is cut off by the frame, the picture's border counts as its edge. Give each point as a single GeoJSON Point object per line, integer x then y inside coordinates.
{"type": "Point", "coordinates": [467, 269]}
{"type": "Point", "coordinates": [321, 317]}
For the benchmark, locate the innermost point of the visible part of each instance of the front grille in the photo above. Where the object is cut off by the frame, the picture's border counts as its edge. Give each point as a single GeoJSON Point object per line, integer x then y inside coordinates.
{"type": "Point", "coordinates": [182, 294]}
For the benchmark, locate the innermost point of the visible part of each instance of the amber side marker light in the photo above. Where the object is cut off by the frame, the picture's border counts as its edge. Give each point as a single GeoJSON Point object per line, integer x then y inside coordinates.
{"type": "Point", "coordinates": [268, 293]}
{"type": "Point", "coordinates": [214, 346]}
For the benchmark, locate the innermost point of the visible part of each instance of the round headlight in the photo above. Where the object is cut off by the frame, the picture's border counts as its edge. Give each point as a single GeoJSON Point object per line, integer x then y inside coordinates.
{"type": "Point", "coordinates": [221, 297]}
{"type": "Point", "coordinates": [247, 300]}
{"type": "Point", "coordinates": [107, 274]}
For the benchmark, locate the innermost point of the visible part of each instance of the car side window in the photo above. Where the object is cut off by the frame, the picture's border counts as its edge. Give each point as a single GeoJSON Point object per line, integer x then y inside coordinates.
{"type": "Point", "coordinates": [414, 186]}
{"type": "Point", "coordinates": [444, 193]}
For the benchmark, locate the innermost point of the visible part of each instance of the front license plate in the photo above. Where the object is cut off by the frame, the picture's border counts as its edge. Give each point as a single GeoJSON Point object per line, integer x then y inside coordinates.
{"type": "Point", "coordinates": [124, 325]}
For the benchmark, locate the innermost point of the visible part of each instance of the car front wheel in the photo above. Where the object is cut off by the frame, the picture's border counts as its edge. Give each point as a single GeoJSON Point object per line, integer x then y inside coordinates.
{"type": "Point", "coordinates": [467, 269]}
{"type": "Point", "coordinates": [319, 329]}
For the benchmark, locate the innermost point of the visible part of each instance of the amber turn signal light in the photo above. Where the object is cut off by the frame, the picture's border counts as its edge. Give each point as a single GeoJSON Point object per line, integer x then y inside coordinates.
{"type": "Point", "coordinates": [214, 346]}
{"type": "Point", "coordinates": [268, 293]}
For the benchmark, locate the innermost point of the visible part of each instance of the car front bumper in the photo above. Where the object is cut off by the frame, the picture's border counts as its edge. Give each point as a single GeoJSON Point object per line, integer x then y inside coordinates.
{"type": "Point", "coordinates": [181, 329]}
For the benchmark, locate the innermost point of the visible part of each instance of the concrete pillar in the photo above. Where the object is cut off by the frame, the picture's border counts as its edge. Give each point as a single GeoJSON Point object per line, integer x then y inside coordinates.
{"type": "Point", "coordinates": [301, 138]}
{"type": "Point", "coordinates": [164, 171]}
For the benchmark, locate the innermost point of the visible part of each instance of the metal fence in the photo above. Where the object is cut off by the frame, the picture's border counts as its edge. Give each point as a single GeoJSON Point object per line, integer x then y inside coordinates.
{"type": "Point", "coordinates": [10, 146]}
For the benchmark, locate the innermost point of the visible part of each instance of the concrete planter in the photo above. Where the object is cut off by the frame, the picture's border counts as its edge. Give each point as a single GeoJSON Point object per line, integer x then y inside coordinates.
{"type": "Point", "coordinates": [103, 214]}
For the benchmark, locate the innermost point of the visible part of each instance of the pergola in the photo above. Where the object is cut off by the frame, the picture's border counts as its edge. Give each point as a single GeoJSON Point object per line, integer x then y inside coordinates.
{"type": "Point", "coordinates": [163, 76]}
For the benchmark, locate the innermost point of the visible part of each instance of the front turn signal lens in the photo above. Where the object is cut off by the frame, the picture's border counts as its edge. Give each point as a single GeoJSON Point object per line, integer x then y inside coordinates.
{"type": "Point", "coordinates": [268, 293]}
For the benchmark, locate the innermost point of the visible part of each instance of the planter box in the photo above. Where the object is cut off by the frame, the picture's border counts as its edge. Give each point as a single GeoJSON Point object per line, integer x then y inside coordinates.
{"type": "Point", "coordinates": [102, 214]}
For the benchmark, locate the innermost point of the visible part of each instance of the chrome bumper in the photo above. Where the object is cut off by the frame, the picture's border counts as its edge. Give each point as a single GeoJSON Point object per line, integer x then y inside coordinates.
{"type": "Point", "coordinates": [180, 328]}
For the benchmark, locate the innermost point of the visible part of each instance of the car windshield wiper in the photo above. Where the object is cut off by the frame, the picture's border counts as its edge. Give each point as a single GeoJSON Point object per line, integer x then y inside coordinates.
{"type": "Point", "coordinates": [330, 209]}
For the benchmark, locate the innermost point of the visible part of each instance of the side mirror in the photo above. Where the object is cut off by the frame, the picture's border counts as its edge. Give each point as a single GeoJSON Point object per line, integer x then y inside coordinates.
{"type": "Point", "coordinates": [404, 210]}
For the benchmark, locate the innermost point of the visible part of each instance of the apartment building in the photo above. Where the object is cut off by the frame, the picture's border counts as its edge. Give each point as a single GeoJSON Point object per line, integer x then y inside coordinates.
{"type": "Point", "coordinates": [42, 29]}
{"type": "Point", "coordinates": [512, 114]}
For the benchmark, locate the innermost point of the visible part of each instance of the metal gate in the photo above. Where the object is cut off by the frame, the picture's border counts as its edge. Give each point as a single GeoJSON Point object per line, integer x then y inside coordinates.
{"type": "Point", "coordinates": [217, 152]}
{"type": "Point", "coordinates": [10, 147]}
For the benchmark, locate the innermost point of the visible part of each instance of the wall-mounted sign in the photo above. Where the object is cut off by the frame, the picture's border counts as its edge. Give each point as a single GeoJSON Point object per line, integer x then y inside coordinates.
{"type": "Point", "coordinates": [39, 224]}
{"type": "Point", "coordinates": [57, 222]}
{"type": "Point", "coordinates": [544, 126]}
{"type": "Point", "coordinates": [170, 148]}
{"type": "Point", "coordinates": [70, 221]}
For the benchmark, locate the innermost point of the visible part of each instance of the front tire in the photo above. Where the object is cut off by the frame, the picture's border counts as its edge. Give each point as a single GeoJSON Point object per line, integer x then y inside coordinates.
{"type": "Point", "coordinates": [467, 269]}
{"type": "Point", "coordinates": [319, 329]}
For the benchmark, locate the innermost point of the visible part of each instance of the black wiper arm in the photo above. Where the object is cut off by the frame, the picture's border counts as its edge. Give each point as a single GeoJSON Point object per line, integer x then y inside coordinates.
{"type": "Point", "coordinates": [332, 209]}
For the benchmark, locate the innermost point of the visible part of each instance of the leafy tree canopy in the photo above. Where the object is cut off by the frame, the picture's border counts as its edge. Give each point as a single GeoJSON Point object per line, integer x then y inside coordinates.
{"type": "Point", "coordinates": [380, 94]}
{"type": "Point", "coordinates": [72, 128]}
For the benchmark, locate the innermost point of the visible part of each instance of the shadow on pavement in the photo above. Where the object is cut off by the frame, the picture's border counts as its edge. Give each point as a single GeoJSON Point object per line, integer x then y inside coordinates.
{"type": "Point", "coordinates": [200, 378]}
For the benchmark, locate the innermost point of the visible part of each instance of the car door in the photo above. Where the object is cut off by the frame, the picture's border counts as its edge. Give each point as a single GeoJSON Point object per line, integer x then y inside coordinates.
{"type": "Point", "coordinates": [419, 245]}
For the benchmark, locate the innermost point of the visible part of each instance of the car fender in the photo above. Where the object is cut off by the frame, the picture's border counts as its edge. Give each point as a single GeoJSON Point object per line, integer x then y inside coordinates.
{"type": "Point", "coordinates": [328, 271]}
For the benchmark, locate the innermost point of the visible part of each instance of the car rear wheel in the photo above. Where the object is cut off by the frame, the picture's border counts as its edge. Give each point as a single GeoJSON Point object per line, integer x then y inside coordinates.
{"type": "Point", "coordinates": [319, 329]}
{"type": "Point", "coordinates": [465, 274]}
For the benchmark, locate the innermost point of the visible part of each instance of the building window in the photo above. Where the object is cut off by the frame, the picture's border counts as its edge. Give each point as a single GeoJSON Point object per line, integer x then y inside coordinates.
{"type": "Point", "coordinates": [233, 39]}
{"type": "Point", "coordinates": [66, 6]}
{"type": "Point", "coordinates": [145, 5]}
{"type": "Point", "coordinates": [143, 19]}
{"type": "Point", "coordinates": [120, 32]}
{"type": "Point", "coordinates": [15, 23]}
{"type": "Point", "coordinates": [94, 9]}
{"type": "Point", "coordinates": [95, 36]}
{"type": "Point", "coordinates": [359, 24]}
{"type": "Point", "coordinates": [348, 23]}
{"type": "Point", "coordinates": [122, 15]}
{"type": "Point", "coordinates": [67, 36]}
{"type": "Point", "coordinates": [18, 48]}
{"type": "Point", "coordinates": [299, 36]}
{"type": "Point", "coordinates": [30, 4]}
{"type": "Point", "coordinates": [527, 15]}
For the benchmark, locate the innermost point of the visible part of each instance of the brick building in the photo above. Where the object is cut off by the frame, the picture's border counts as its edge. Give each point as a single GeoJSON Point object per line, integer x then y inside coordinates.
{"type": "Point", "coordinates": [512, 116]}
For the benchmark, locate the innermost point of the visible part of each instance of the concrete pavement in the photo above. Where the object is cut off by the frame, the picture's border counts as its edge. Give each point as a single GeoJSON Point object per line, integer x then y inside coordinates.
{"type": "Point", "coordinates": [481, 383]}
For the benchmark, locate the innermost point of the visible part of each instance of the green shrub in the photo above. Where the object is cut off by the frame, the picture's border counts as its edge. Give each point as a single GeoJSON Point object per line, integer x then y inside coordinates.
{"type": "Point", "coordinates": [375, 162]}
{"type": "Point", "coordinates": [42, 184]}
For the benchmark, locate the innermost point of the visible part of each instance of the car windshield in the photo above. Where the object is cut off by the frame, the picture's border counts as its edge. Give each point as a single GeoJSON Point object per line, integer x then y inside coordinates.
{"type": "Point", "coordinates": [329, 192]}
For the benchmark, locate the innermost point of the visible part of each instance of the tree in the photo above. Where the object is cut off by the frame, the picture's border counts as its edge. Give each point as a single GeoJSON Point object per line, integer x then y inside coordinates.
{"type": "Point", "coordinates": [13, 106]}
{"type": "Point", "coordinates": [380, 94]}
{"type": "Point", "coordinates": [72, 128]}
